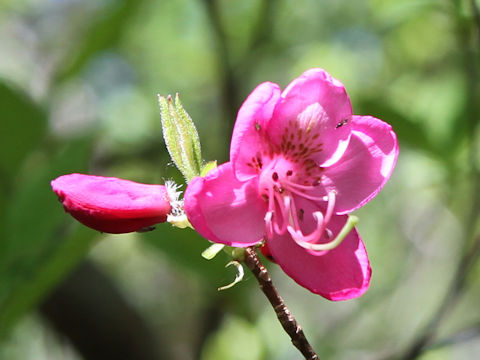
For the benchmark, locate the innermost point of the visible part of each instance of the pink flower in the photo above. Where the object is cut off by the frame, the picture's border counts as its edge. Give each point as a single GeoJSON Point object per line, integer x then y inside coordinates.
{"type": "Point", "coordinates": [299, 162]}
{"type": "Point", "coordinates": [112, 205]}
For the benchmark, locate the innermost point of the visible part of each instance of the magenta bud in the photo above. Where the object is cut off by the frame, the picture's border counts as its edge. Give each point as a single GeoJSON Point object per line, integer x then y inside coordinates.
{"type": "Point", "coordinates": [112, 205]}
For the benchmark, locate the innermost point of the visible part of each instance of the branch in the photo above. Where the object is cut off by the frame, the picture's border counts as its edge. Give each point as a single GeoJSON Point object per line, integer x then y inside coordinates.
{"type": "Point", "coordinates": [471, 252]}
{"type": "Point", "coordinates": [287, 320]}
{"type": "Point", "coordinates": [476, 17]}
{"type": "Point", "coordinates": [229, 91]}
{"type": "Point", "coordinates": [464, 335]}
{"type": "Point", "coordinates": [453, 293]}
{"type": "Point", "coordinates": [228, 67]}
{"type": "Point", "coordinates": [263, 29]}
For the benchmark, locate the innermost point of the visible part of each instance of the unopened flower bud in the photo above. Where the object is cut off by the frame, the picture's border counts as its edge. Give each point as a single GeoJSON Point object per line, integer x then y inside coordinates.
{"type": "Point", "coordinates": [112, 205]}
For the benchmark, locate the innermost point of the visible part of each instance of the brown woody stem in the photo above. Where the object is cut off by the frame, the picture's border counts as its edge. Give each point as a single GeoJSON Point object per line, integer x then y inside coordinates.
{"type": "Point", "coordinates": [287, 320]}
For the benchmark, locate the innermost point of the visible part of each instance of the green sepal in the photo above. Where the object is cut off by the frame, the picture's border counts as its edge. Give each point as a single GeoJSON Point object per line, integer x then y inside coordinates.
{"type": "Point", "coordinates": [207, 167]}
{"type": "Point", "coordinates": [181, 137]}
{"type": "Point", "coordinates": [238, 277]}
{"type": "Point", "coordinates": [235, 253]}
{"type": "Point", "coordinates": [212, 251]}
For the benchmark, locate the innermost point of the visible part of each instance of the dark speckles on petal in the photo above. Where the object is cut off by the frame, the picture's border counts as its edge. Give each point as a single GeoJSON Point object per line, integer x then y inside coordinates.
{"type": "Point", "coordinates": [259, 162]}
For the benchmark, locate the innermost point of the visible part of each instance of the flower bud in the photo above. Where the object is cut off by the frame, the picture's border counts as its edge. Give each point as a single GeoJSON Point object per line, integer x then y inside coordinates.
{"type": "Point", "coordinates": [112, 205]}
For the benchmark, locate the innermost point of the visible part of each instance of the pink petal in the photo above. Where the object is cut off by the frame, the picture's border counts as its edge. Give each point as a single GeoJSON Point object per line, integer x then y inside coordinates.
{"type": "Point", "coordinates": [248, 139]}
{"type": "Point", "coordinates": [339, 274]}
{"type": "Point", "coordinates": [331, 106]}
{"type": "Point", "coordinates": [225, 210]}
{"type": "Point", "coordinates": [366, 165]}
{"type": "Point", "coordinates": [112, 205]}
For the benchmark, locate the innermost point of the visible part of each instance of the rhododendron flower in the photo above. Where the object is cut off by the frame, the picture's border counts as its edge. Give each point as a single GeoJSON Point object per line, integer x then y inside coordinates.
{"type": "Point", "coordinates": [112, 205]}
{"type": "Point", "coordinates": [300, 161]}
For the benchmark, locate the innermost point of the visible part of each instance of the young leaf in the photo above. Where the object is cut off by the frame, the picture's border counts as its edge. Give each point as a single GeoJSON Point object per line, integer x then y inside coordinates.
{"type": "Point", "coordinates": [190, 129]}
{"type": "Point", "coordinates": [181, 137]}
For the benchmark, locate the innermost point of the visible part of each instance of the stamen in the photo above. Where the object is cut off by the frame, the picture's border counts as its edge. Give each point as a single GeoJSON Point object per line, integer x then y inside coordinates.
{"type": "Point", "coordinates": [268, 224]}
{"type": "Point", "coordinates": [314, 236]}
{"type": "Point", "coordinates": [271, 200]}
{"type": "Point", "coordinates": [298, 186]}
{"type": "Point", "coordinates": [284, 205]}
{"type": "Point", "coordinates": [293, 218]}
{"type": "Point", "coordinates": [331, 204]}
{"type": "Point", "coordinates": [329, 233]}
{"type": "Point", "coordinates": [328, 214]}
{"type": "Point", "coordinates": [349, 225]}
{"type": "Point", "coordinates": [309, 197]}
{"type": "Point", "coordinates": [269, 214]}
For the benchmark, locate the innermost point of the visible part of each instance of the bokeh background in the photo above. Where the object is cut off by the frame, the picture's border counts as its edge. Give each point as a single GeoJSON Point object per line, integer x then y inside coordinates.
{"type": "Point", "coordinates": [78, 87]}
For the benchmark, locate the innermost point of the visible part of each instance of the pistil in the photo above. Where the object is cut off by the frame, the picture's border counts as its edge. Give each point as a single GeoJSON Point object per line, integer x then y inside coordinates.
{"type": "Point", "coordinates": [349, 225]}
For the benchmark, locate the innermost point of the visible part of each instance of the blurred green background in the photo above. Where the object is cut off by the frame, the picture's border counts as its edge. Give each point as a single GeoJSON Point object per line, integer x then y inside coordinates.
{"type": "Point", "coordinates": [78, 86]}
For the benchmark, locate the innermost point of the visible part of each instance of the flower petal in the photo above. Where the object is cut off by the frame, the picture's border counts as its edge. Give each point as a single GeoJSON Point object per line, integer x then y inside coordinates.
{"type": "Point", "coordinates": [225, 210]}
{"type": "Point", "coordinates": [339, 274]}
{"type": "Point", "coordinates": [248, 139]}
{"type": "Point", "coordinates": [365, 166]}
{"type": "Point", "coordinates": [110, 204]}
{"type": "Point", "coordinates": [321, 100]}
